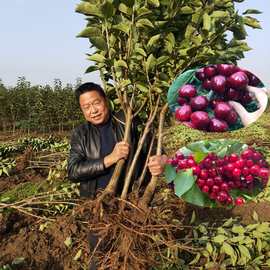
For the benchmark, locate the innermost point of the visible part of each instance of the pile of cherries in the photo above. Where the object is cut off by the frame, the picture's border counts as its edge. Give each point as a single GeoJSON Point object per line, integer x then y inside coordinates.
{"type": "Point", "coordinates": [217, 176]}
{"type": "Point", "coordinates": [228, 82]}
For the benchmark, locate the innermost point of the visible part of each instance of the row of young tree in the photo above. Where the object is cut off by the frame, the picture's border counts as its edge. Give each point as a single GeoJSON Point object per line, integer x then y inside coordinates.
{"type": "Point", "coordinates": [38, 108]}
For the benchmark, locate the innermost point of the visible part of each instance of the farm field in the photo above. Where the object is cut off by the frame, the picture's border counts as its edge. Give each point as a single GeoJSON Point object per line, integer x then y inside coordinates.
{"type": "Point", "coordinates": [43, 223]}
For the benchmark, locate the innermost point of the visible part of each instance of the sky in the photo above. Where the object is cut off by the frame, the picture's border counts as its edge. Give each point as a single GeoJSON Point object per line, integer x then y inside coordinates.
{"type": "Point", "coordinates": [38, 41]}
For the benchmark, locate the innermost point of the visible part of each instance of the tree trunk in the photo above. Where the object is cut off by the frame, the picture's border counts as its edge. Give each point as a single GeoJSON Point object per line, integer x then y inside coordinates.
{"type": "Point", "coordinates": [111, 187]}
{"type": "Point", "coordinates": [150, 189]}
{"type": "Point", "coordinates": [138, 150]}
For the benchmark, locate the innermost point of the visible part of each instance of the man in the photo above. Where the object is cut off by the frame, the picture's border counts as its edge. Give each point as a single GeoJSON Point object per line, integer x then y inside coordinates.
{"type": "Point", "coordinates": [97, 145]}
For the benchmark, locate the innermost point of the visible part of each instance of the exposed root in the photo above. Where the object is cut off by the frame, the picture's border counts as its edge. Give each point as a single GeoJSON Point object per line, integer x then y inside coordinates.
{"type": "Point", "coordinates": [134, 239]}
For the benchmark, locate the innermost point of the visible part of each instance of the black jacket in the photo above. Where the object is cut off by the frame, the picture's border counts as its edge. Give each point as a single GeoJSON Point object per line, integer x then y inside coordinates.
{"type": "Point", "coordinates": [85, 162]}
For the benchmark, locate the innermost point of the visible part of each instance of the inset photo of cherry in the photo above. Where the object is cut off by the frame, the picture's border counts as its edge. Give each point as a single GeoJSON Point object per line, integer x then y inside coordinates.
{"type": "Point", "coordinates": [217, 98]}
{"type": "Point", "coordinates": [217, 173]}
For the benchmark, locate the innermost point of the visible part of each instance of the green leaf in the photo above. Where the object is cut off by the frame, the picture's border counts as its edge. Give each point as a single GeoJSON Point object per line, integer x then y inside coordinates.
{"type": "Point", "coordinates": [220, 14]}
{"type": "Point", "coordinates": [199, 156]}
{"type": "Point", "coordinates": [189, 31]}
{"type": "Point", "coordinates": [153, 40]}
{"type": "Point", "coordinates": [193, 217]}
{"type": "Point", "coordinates": [140, 51]}
{"type": "Point", "coordinates": [123, 26]}
{"type": "Point", "coordinates": [206, 22]}
{"type": "Point", "coordinates": [125, 9]}
{"type": "Point", "coordinates": [153, 2]}
{"type": "Point", "coordinates": [162, 59]}
{"type": "Point", "coordinates": [89, 9]}
{"type": "Point", "coordinates": [219, 239]}
{"type": "Point", "coordinates": [144, 22]}
{"type": "Point", "coordinates": [89, 32]}
{"type": "Point", "coordinates": [150, 63]}
{"type": "Point", "coordinates": [209, 248]}
{"type": "Point", "coordinates": [196, 197]}
{"type": "Point", "coordinates": [183, 182]}
{"type": "Point", "coordinates": [18, 260]}
{"type": "Point", "coordinates": [228, 249]}
{"type": "Point", "coordinates": [186, 10]}
{"type": "Point", "coordinates": [170, 173]}
{"type": "Point", "coordinates": [120, 63]}
{"type": "Point", "coordinates": [68, 242]}
{"type": "Point", "coordinates": [99, 42]}
{"type": "Point", "coordinates": [142, 87]}
{"type": "Point", "coordinates": [173, 90]}
{"type": "Point", "coordinates": [199, 146]}
{"type": "Point", "coordinates": [107, 9]}
{"type": "Point", "coordinates": [4, 199]}
{"type": "Point", "coordinates": [252, 11]}
{"type": "Point", "coordinates": [238, 229]}
{"type": "Point", "coordinates": [97, 58]}
{"type": "Point", "coordinates": [196, 259]}
{"type": "Point", "coordinates": [5, 171]}
{"type": "Point", "coordinates": [244, 252]}
{"type": "Point", "coordinates": [228, 223]}
{"type": "Point", "coordinates": [91, 69]}
{"type": "Point", "coordinates": [252, 22]}
{"type": "Point", "coordinates": [78, 255]}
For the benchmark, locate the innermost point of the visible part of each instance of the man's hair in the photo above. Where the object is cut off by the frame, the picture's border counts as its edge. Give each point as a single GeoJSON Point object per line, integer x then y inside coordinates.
{"type": "Point", "coordinates": [88, 87]}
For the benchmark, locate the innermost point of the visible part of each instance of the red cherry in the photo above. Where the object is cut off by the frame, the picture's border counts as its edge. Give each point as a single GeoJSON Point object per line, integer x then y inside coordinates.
{"type": "Point", "coordinates": [215, 188]}
{"type": "Point", "coordinates": [187, 90]}
{"type": "Point", "coordinates": [249, 163]}
{"type": "Point", "coordinates": [230, 167]}
{"type": "Point", "coordinates": [256, 156]}
{"type": "Point", "coordinates": [210, 182]}
{"type": "Point", "coordinates": [213, 195]}
{"type": "Point", "coordinates": [245, 171]}
{"type": "Point", "coordinates": [212, 172]}
{"type": "Point", "coordinates": [239, 163]}
{"type": "Point", "coordinates": [182, 164]}
{"type": "Point", "coordinates": [190, 163]}
{"type": "Point", "coordinates": [218, 180]}
{"type": "Point", "coordinates": [223, 196]}
{"type": "Point", "coordinates": [231, 184]}
{"type": "Point", "coordinates": [249, 178]}
{"type": "Point", "coordinates": [183, 113]}
{"type": "Point", "coordinates": [239, 201]}
{"type": "Point", "coordinates": [248, 153]}
{"type": "Point", "coordinates": [204, 174]}
{"type": "Point", "coordinates": [229, 200]}
{"type": "Point", "coordinates": [205, 189]}
{"type": "Point", "coordinates": [264, 173]}
{"type": "Point", "coordinates": [179, 156]}
{"type": "Point", "coordinates": [200, 74]}
{"type": "Point", "coordinates": [181, 101]}
{"type": "Point", "coordinates": [207, 84]}
{"type": "Point", "coordinates": [209, 71]}
{"type": "Point", "coordinates": [233, 94]}
{"type": "Point", "coordinates": [233, 158]}
{"type": "Point", "coordinates": [224, 187]}
{"type": "Point", "coordinates": [196, 170]}
{"type": "Point", "coordinates": [237, 184]}
{"type": "Point", "coordinates": [200, 182]}
{"type": "Point", "coordinates": [255, 169]}
{"type": "Point", "coordinates": [236, 172]}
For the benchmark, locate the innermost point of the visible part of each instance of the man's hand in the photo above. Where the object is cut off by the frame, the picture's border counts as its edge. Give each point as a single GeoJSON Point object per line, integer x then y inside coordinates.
{"type": "Point", "coordinates": [121, 150]}
{"type": "Point", "coordinates": [246, 117]}
{"type": "Point", "coordinates": [156, 164]}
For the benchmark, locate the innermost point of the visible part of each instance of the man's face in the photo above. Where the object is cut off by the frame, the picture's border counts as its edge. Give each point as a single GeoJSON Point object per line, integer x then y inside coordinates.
{"type": "Point", "coordinates": [94, 107]}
